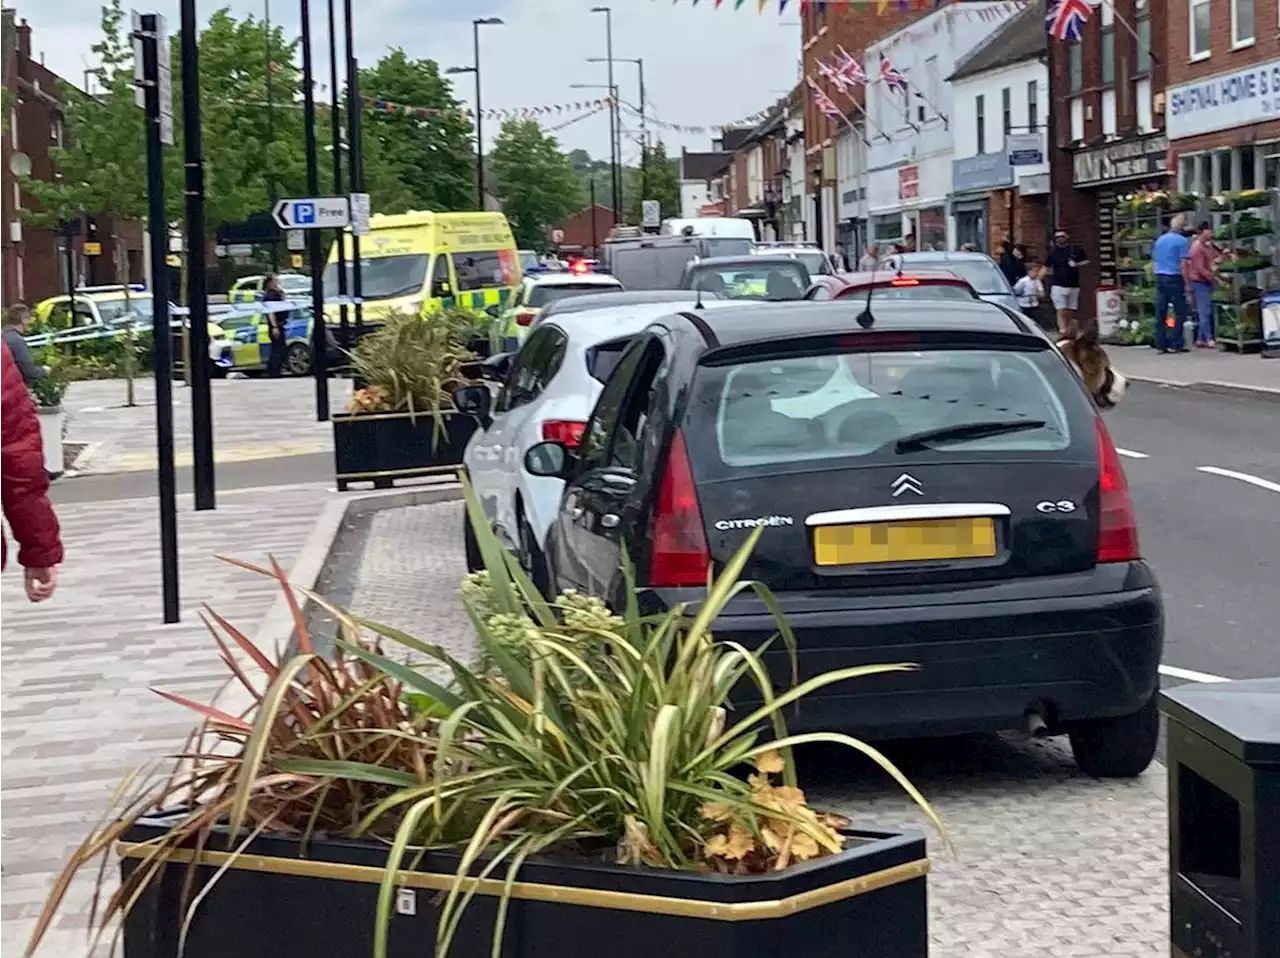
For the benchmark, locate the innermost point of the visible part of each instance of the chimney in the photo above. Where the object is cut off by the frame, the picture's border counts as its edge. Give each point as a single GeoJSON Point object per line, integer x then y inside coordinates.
{"type": "Point", "coordinates": [24, 40]}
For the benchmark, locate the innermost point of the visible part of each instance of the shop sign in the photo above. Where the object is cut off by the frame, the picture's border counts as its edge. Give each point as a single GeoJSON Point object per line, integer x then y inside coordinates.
{"type": "Point", "coordinates": [986, 171]}
{"type": "Point", "coordinates": [1106, 212]}
{"type": "Point", "coordinates": [909, 182]}
{"type": "Point", "coordinates": [1024, 149]}
{"type": "Point", "coordinates": [1240, 98]}
{"type": "Point", "coordinates": [1037, 184]}
{"type": "Point", "coordinates": [1127, 160]}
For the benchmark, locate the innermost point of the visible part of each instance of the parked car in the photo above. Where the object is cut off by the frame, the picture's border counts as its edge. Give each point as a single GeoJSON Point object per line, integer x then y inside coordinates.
{"type": "Point", "coordinates": [979, 269]}
{"type": "Point", "coordinates": [539, 290]}
{"type": "Point", "coordinates": [815, 259]}
{"type": "Point", "coordinates": [546, 391]}
{"type": "Point", "coordinates": [240, 341]}
{"type": "Point", "coordinates": [936, 488]}
{"type": "Point", "coordinates": [251, 289]}
{"type": "Point", "coordinates": [886, 285]}
{"type": "Point", "coordinates": [773, 278]}
{"type": "Point", "coordinates": [635, 297]}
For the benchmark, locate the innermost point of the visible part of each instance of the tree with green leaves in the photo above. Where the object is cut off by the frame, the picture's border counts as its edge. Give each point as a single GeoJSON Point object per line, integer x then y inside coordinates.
{"type": "Point", "coordinates": [660, 180]}
{"type": "Point", "coordinates": [423, 162]}
{"type": "Point", "coordinates": [534, 180]}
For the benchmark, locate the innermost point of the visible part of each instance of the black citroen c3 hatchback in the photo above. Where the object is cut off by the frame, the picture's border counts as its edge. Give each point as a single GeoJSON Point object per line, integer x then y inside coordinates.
{"type": "Point", "coordinates": [936, 488]}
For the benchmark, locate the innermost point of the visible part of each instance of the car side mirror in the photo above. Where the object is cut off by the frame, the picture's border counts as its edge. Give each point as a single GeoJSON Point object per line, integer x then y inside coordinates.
{"type": "Point", "coordinates": [441, 287]}
{"type": "Point", "coordinates": [495, 310]}
{"type": "Point", "coordinates": [474, 401]}
{"type": "Point", "coordinates": [549, 460]}
{"type": "Point", "coordinates": [497, 367]}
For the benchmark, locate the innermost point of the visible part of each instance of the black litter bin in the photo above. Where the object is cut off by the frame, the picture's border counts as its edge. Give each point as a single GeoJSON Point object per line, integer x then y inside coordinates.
{"type": "Point", "coordinates": [1224, 818]}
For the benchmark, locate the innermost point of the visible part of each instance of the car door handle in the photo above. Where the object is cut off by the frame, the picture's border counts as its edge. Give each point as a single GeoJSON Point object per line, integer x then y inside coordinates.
{"type": "Point", "coordinates": [610, 520]}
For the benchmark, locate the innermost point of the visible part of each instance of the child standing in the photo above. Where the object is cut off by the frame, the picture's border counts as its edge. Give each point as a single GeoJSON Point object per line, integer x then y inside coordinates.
{"type": "Point", "coordinates": [1030, 293]}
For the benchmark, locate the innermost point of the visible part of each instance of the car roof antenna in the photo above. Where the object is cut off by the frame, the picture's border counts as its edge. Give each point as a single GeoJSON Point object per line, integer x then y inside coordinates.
{"type": "Point", "coordinates": [865, 319]}
{"type": "Point", "coordinates": [697, 302]}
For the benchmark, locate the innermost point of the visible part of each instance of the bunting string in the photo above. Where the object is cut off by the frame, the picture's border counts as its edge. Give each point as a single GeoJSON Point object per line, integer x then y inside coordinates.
{"type": "Point", "coordinates": [548, 110]}
{"type": "Point", "coordinates": [879, 7]}
{"type": "Point", "coordinates": [651, 120]}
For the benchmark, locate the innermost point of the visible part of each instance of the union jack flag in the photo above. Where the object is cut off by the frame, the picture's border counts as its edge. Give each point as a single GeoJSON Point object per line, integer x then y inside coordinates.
{"type": "Point", "coordinates": [851, 69]}
{"type": "Point", "coordinates": [838, 79]}
{"type": "Point", "coordinates": [1065, 19]}
{"type": "Point", "coordinates": [825, 104]}
{"type": "Point", "coordinates": [894, 78]}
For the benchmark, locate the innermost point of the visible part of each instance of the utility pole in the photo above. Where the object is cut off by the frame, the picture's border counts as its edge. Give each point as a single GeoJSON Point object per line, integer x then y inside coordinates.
{"type": "Point", "coordinates": [355, 156]}
{"type": "Point", "coordinates": [615, 174]}
{"type": "Point", "coordinates": [272, 190]}
{"type": "Point", "coordinates": [313, 236]}
{"type": "Point", "coordinates": [644, 138]}
{"type": "Point", "coordinates": [202, 462]}
{"type": "Point", "coordinates": [335, 133]}
{"type": "Point", "coordinates": [475, 41]}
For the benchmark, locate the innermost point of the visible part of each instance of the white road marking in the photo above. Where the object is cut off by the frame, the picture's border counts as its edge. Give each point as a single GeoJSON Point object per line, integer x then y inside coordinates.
{"type": "Point", "coordinates": [1132, 454]}
{"type": "Point", "coordinates": [1190, 675]}
{"type": "Point", "coordinates": [1242, 476]}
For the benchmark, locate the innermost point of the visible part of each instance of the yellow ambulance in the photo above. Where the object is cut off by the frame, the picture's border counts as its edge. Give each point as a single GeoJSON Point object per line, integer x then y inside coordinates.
{"type": "Point", "coordinates": [416, 262]}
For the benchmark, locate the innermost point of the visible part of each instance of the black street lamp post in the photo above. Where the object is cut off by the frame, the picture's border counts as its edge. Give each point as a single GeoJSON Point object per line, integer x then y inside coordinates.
{"type": "Point", "coordinates": [475, 68]}
{"type": "Point", "coordinates": [644, 133]}
{"type": "Point", "coordinates": [614, 171]}
{"type": "Point", "coordinates": [335, 133]}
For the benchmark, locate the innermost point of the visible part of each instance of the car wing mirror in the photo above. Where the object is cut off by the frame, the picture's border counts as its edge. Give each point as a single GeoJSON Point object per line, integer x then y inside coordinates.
{"type": "Point", "coordinates": [497, 367]}
{"type": "Point", "coordinates": [549, 460]}
{"type": "Point", "coordinates": [474, 401]}
{"type": "Point", "coordinates": [441, 287]}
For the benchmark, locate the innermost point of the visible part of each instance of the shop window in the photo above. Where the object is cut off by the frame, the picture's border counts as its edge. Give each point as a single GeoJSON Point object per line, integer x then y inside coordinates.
{"type": "Point", "coordinates": [1077, 120]}
{"type": "Point", "coordinates": [1108, 112]}
{"type": "Point", "coordinates": [1205, 178]}
{"type": "Point", "coordinates": [1033, 106]}
{"type": "Point", "coordinates": [1225, 181]}
{"type": "Point", "coordinates": [1201, 38]}
{"type": "Point", "coordinates": [1108, 52]}
{"type": "Point", "coordinates": [980, 114]}
{"type": "Point", "coordinates": [1187, 175]}
{"type": "Point", "coordinates": [1242, 31]}
{"type": "Point", "coordinates": [1075, 66]}
{"type": "Point", "coordinates": [1248, 168]}
{"type": "Point", "coordinates": [1271, 166]}
{"type": "Point", "coordinates": [1142, 98]}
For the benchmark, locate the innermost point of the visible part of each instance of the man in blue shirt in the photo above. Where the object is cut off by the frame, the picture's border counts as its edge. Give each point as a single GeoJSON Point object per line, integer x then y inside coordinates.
{"type": "Point", "coordinates": [1171, 255]}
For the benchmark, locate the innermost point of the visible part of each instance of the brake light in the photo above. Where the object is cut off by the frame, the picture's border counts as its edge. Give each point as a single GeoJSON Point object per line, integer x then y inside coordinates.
{"type": "Point", "coordinates": [579, 267]}
{"type": "Point", "coordinates": [680, 556]}
{"type": "Point", "coordinates": [1117, 524]}
{"type": "Point", "coordinates": [567, 432]}
{"type": "Point", "coordinates": [904, 281]}
{"type": "Point", "coordinates": [524, 317]}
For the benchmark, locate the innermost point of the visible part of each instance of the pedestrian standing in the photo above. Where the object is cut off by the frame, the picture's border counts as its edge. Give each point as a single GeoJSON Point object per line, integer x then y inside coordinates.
{"type": "Point", "coordinates": [1011, 260]}
{"type": "Point", "coordinates": [870, 259]}
{"type": "Point", "coordinates": [1203, 270]}
{"type": "Point", "coordinates": [1171, 258]}
{"type": "Point", "coordinates": [1030, 293]}
{"type": "Point", "coordinates": [24, 486]}
{"type": "Point", "coordinates": [275, 327]}
{"type": "Point", "coordinates": [15, 331]}
{"type": "Point", "coordinates": [1064, 261]}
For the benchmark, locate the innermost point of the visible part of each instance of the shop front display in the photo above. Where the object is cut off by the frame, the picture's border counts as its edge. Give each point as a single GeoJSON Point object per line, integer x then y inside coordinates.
{"type": "Point", "coordinates": [973, 178]}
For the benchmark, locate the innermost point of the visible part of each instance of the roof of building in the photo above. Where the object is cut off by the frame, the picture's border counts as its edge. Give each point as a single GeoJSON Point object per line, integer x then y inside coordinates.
{"type": "Point", "coordinates": [731, 140]}
{"type": "Point", "coordinates": [1019, 38]}
{"type": "Point", "coordinates": [703, 166]}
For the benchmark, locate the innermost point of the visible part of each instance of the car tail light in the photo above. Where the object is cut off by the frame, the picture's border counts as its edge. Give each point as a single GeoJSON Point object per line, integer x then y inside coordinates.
{"type": "Point", "coordinates": [1117, 524]}
{"type": "Point", "coordinates": [525, 317]}
{"type": "Point", "coordinates": [679, 543]}
{"type": "Point", "coordinates": [580, 266]}
{"type": "Point", "coordinates": [567, 432]}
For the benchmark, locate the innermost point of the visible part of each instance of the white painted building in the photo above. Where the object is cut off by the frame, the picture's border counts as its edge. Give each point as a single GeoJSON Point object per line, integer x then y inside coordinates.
{"type": "Point", "coordinates": [795, 199]}
{"type": "Point", "coordinates": [1000, 171]}
{"type": "Point", "coordinates": [911, 136]}
{"type": "Point", "coordinates": [701, 183]}
{"type": "Point", "coordinates": [851, 189]}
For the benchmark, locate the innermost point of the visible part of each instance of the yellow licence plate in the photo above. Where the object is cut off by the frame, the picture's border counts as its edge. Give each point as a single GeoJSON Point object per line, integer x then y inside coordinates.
{"type": "Point", "coordinates": [920, 540]}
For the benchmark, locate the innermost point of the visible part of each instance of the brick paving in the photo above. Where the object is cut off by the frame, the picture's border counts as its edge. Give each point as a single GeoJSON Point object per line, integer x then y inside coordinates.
{"type": "Point", "coordinates": [253, 419]}
{"type": "Point", "coordinates": [74, 687]}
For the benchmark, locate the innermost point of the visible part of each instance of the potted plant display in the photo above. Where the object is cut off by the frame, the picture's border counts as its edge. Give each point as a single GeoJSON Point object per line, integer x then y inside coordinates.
{"type": "Point", "coordinates": [401, 422]}
{"type": "Point", "coordinates": [582, 788]}
{"type": "Point", "coordinates": [47, 392]}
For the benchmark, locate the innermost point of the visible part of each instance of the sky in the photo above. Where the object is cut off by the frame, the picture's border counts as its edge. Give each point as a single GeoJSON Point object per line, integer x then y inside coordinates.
{"type": "Point", "coordinates": [702, 66]}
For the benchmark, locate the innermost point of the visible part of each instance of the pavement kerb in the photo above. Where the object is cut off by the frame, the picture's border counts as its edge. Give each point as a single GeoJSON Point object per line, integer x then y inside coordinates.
{"type": "Point", "coordinates": [276, 628]}
{"type": "Point", "coordinates": [1215, 387]}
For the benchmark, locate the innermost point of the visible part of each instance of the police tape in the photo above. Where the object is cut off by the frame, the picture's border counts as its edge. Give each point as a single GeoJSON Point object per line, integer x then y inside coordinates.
{"type": "Point", "coordinates": [217, 314]}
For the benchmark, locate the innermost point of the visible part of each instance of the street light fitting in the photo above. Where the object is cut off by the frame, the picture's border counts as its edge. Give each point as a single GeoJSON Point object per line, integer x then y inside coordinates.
{"type": "Point", "coordinates": [589, 86]}
{"type": "Point", "coordinates": [453, 71]}
{"type": "Point", "coordinates": [488, 22]}
{"type": "Point", "coordinates": [601, 9]}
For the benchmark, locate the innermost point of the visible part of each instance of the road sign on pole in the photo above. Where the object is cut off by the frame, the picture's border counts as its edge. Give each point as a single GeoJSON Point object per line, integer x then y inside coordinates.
{"type": "Point", "coordinates": [296, 240]}
{"type": "Point", "coordinates": [313, 213]}
{"type": "Point", "coordinates": [650, 214]}
{"type": "Point", "coordinates": [360, 213]}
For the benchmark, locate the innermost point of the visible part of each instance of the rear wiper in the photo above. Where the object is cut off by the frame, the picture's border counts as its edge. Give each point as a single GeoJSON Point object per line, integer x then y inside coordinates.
{"type": "Point", "coordinates": [963, 432]}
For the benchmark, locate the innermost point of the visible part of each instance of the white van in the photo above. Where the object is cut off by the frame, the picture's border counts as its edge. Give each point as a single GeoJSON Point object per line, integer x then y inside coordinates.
{"type": "Point", "coordinates": [732, 227]}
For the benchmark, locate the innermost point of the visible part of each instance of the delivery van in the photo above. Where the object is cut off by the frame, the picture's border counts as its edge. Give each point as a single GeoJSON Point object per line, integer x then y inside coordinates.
{"type": "Point", "coordinates": [724, 227]}
{"type": "Point", "coordinates": [415, 262]}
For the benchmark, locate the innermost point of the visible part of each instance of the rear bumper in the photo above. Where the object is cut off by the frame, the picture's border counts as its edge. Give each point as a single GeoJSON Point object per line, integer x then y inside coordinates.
{"type": "Point", "coordinates": [1074, 647]}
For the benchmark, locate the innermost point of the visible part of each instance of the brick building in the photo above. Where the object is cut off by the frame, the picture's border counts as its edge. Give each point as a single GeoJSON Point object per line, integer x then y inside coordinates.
{"type": "Point", "coordinates": [1223, 103]}
{"type": "Point", "coordinates": [825, 28]}
{"type": "Point", "coordinates": [586, 229]}
{"type": "Point", "coordinates": [1107, 125]}
{"type": "Point", "coordinates": [757, 172]}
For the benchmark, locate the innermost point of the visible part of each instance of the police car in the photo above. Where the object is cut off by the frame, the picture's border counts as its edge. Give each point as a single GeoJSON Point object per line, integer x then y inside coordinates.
{"type": "Point", "coordinates": [240, 339]}
{"type": "Point", "coordinates": [542, 289]}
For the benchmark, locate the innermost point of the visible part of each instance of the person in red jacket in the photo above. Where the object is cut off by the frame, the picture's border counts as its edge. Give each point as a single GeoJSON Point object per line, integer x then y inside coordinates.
{"type": "Point", "coordinates": [24, 486]}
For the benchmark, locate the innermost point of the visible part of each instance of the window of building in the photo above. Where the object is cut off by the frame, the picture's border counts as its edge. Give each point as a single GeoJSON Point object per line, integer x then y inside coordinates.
{"type": "Point", "coordinates": [1077, 120]}
{"type": "Point", "coordinates": [1076, 67]}
{"type": "Point", "coordinates": [1006, 107]}
{"type": "Point", "coordinates": [1109, 113]}
{"type": "Point", "coordinates": [1225, 181]}
{"type": "Point", "coordinates": [1201, 39]}
{"type": "Point", "coordinates": [1033, 106]}
{"type": "Point", "coordinates": [1142, 96]}
{"type": "Point", "coordinates": [1108, 52]}
{"type": "Point", "coordinates": [1248, 168]}
{"type": "Point", "coordinates": [1142, 28]}
{"type": "Point", "coordinates": [1205, 176]}
{"type": "Point", "coordinates": [980, 112]}
{"type": "Point", "coordinates": [1271, 166]}
{"type": "Point", "coordinates": [1187, 174]}
{"type": "Point", "coordinates": [1242, 32]}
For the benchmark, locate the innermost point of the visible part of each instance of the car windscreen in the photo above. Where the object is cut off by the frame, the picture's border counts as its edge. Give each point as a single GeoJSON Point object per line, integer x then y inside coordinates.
{"type": "Point", "coordinates": [543, 294]}
{"type": "Point", "coordinates": [651, 267]}
{"type": "Point", "coordinates": [775, 282]}
{"type": "Point", "coordinates": [923, 291]}
{"type": "Point", "coordinates": [725, 246]}
{"type": "Point", "coordinates": [382, 277]}
{"type": "Point", "coordinates": [296, 285]}
{"type": "Point", "coordinates": [815, 262]}
{"type": "Point", "coordinates": [983, 275]}
{"type": "Point", "coordinates": [115, 310]}
{"type": "Point", "coordinates": [834, 407]}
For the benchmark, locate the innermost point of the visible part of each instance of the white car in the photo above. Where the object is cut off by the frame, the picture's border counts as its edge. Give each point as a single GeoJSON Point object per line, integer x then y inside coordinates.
{"type": "Point", "coordinates": [817, 262]}
{"type": "Point", "coordinates": [550, 387]}
{"type": "Point", "coordinates": [540, 289]}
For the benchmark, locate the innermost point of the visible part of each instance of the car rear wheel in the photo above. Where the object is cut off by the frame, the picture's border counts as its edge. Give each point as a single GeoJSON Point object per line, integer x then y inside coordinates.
{"type": "Point", "coordinates": [1120, 747]}
{"type": "Point", "coordinates": [297, 360]}
{"type": "Point", "coordinates": [531, 558]}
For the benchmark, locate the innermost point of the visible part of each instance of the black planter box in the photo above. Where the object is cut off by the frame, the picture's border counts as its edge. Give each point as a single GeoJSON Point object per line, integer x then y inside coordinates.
{"type": "Point", "coordinates": [272, 902]}
{"type": "Point", "coordinates": [383, 447]}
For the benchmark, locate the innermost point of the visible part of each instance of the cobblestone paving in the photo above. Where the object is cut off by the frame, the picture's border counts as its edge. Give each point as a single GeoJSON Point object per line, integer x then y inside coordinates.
{"type": "Point", "coordinates": [1048, 862]}
{"type": "Point", "coordinates": [76, 671]}
{"type": "Point", "coordinates": [123, 438]}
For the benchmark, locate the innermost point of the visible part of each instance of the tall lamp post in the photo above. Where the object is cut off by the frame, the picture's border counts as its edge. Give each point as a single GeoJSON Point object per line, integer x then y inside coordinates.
{"type": "Point", "coordinates": [475, 68]}
{"type": "Point", "coordinates": [617, 217]}
{"type": "Point", "coordinates": [644, 133]}
{"type": "Point", "coordinates": [615, 173]}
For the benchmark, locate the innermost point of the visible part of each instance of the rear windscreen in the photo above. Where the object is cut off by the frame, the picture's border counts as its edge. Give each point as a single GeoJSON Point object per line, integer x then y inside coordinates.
{"type": "Point", "coordinates": [542, 295]}
{"type": "Point", "coordinates": [774, 282]}
{"type": "Point", "coordinates": [923, 291]}
{"type": "Point", "coordinates": [882, 406]}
